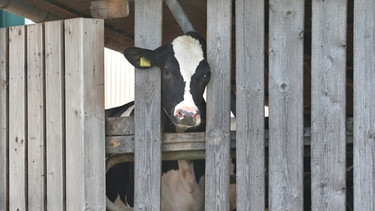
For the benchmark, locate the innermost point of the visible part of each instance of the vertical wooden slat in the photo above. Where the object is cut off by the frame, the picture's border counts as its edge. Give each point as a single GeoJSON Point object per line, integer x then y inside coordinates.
{"type": "Point", "coordinates": [84, 92]}
{"type": "Point", "coordinates": [4, 119]}
{"type": "Point", "coordinates": [364, 105]}
{"type": "Point", "coordinates": [218, 114]}
{"type": "Point", "coordinates": [55, 128]}
{"type": "Point", "coordinates": [17, 119]}
{"type": "Point", "coordinates": [35, 117]}
{"type": "Point", "coordinates": [147, 157]}
{"type": "Point", "coordinates": [286, 104]}
{"type": "Point", "coordinates": [328, 138]}
{"type": "Point", "coordinates": [250, 105]}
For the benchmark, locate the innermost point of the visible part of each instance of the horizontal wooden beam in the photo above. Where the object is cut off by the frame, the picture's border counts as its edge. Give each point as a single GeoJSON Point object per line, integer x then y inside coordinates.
{"type": "Point", "coordinates": [109, 9]}
{"type": "Point", "coordinates": [120, 140]}
{"type": "Point", "coordinates": [117, 126]}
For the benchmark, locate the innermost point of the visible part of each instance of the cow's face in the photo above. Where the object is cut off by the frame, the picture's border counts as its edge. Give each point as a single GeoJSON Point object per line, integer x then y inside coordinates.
{"type": "Point", "coordinates": [185, 74]}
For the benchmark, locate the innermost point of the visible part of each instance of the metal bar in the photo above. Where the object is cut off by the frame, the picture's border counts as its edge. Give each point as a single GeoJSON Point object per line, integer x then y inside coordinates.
{"type": "Point", "coordinates": [180, 15]}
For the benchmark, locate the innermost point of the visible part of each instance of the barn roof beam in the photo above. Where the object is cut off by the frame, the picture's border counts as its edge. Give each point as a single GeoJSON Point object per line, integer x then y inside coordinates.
{"type": "Point", "coordinates": [31, 9]}
{"type": "Point", "coordinates": [22, 8]}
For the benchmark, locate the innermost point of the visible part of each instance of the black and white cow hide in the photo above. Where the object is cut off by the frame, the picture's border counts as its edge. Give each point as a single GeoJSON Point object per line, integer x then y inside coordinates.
{"type": "Point", "coordinates": [185, 74]}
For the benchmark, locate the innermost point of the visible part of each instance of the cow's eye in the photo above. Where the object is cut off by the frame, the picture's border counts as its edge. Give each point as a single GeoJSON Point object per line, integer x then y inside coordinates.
{"type": "Point", "coordinates": [206, 76]}
{"type": "Point", "coordinates": [166, 73]}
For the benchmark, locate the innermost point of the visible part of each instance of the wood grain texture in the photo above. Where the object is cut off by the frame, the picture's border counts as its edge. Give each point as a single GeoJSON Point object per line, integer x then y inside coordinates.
{"type": "Point", "coordinates": [4, 128]}
{"type": "Point", "coordinates": [17, 119]}
{"type": "Point", "coordinates": [118, 144]}
{"type": "Point", "coordinates": [328, 67]}
{"type": "Point", "coordinates": [364, 105]}
{"type": "Point", "coordinates": [250, 105]}
{"type": "Point", "coordinates": [35, 117]}
{"type": "Point", "coordinates": [119, 126]}
{"type": "Point", "coordinates": [109, 9]}
{"type": "Point", "coordinates": [148, 16]}
{"type": "Point", "coordinates": [286, 104]}
{"type": "Point", "coordinates": [55, 111]}
{"type": "Point", "coordinates": [84, 93]}
{"type": "Point", "coordinates": [218, 104]}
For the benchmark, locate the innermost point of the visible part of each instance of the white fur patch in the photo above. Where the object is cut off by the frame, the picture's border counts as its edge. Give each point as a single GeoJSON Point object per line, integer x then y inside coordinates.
{"type": "Point", "coordinates": [175, 197]}
{"type": "Point", "coordinates": [188, 52]}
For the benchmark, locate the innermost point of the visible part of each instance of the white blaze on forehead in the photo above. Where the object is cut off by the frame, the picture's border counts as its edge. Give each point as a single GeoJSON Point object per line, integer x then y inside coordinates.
{"type": "Point", "coordinates": [188, 52]}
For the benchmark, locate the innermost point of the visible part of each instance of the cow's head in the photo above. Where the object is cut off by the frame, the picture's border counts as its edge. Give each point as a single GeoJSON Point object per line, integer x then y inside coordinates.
{"type": "Point", "coordinates": [184, 76]}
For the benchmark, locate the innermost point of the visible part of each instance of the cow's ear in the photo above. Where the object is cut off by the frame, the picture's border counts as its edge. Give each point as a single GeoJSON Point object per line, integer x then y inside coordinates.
{"type": "Point", "coordinates": [139, 57]}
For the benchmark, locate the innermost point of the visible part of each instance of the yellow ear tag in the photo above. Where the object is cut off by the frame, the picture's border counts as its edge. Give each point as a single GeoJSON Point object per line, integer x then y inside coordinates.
{"type": "Point", "coordinates": [143, 62]}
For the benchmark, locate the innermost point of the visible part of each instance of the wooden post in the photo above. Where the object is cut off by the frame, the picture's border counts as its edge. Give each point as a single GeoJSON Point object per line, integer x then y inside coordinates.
{"type": "Point", "coordinates": [218, 102]}
{"type": "Point", "coordinates": [17, 118]}
{"type": "Point", "coordinates": [364, 105]}
{"type": "Point", "coordinates": [148, 31]}
{"type": "Point", "coordinates": [55, 111]}
{"type": "Point", "coordinates": [4, 114]}
{"type": "Point", "coordinates": [35, 117]}
{"type": "Point", "coordinates": [286, 104]}
{"type": "Point", "coordinates": [250, 105]}
{"type": "Point", "coordinates": [328, 137]}
{"type": "Point", "coordinates": [84, 92]}
{"type": "Point", "coordinates": [109, 9]}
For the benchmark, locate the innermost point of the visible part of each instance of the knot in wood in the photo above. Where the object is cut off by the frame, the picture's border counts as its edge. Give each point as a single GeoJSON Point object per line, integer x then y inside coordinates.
{"type": "Point", "coordinates": [283, 87]}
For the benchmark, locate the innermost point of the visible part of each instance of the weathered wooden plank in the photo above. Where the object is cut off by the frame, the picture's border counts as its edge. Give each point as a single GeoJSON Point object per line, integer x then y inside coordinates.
{"type": "Point", "coordinates": [218, 114]}
{"type": "Point", "coordinates": [119, 126]}
{"type": "Point", "coordinates": [84, 54]}
{"type": "Point", "coordinates": [125, 143]}
{"type": "Point", "coordinates": [109, 8]}
{"type": "Point", "coordinates": [122, 126]}
{"type": "Point", "coordinates": [286, 104]}
{"type": "Point", "coordinates": [35, 117]}
{"type": "Point", "coordinates": [55, 121]}
{"type": "Point", "coordinates": [250, 105]}
{"type": "Point", "coordinates": [364, 105]}
{"type": "Point", "coordinates": [4, 128]}
{"type": "Point", "coordinates": [172, 142]}
{"type": "Point", "coordinates": [148, 16]}
{"type": "Point", "coordinates": [119, 144]}
{"type": "Point", "coordinates": [328, 67]}
{"type": "Point", "coordinates": [17, 118]}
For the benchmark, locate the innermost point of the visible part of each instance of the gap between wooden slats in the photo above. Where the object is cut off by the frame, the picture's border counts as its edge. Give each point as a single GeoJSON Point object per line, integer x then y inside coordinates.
{"type": "Point", "coordinates": [364, 105]}
{"type": "Point", "coordinates": [286, 28]}
{"type": "Point", "coordinates": [328, 67]}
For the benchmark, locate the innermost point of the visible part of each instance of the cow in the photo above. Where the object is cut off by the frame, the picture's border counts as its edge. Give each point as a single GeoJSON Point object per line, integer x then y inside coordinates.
{"type": "Point", "coordinates": [185, 74]}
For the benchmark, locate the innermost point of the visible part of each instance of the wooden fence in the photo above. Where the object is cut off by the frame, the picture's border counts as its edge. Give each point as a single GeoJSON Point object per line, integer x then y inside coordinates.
{"type": "Point", "coordinates": [280, 149]}
{"type": "Point", "coordinates": [51, 109]}
{"type": "Point", "coordinates": [52, 153]}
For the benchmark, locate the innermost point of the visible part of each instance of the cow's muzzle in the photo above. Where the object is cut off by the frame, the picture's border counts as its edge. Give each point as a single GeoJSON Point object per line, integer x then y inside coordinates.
{"type": "Point", "coordinates": [188, 118]}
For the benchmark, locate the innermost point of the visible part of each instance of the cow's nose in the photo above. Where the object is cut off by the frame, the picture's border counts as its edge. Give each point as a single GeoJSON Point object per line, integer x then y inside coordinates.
{"type": "Point", "coordinates": [189, 118]}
